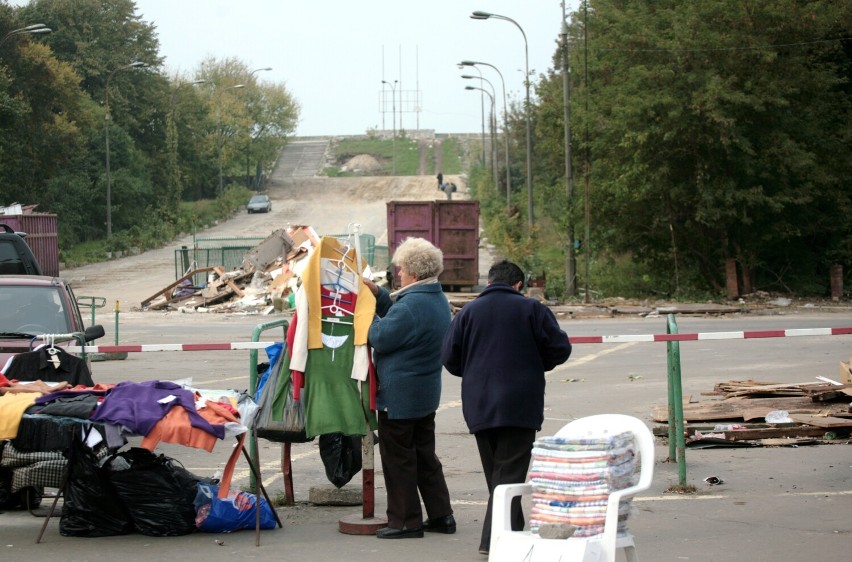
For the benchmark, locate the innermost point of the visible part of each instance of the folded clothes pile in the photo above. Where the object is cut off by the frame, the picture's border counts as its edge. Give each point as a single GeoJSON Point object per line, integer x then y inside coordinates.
{"type": "Point", "coordinates": [573, 477]}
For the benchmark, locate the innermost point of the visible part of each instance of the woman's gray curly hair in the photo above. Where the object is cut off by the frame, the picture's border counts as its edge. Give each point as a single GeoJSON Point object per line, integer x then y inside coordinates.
{"type": "Point", "coordinates": [418, 257]}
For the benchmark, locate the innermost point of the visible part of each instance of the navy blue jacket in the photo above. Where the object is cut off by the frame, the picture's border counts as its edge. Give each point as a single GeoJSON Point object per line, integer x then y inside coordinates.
{"type": "Point", "coordinates": [501, 344]}
{"type": "Point", "coordinates": [406, 339]}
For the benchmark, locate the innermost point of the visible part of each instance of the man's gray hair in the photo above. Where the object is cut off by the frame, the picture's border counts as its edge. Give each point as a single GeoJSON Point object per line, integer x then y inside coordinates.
{"type": "Point", "coordinates": [418, 257]}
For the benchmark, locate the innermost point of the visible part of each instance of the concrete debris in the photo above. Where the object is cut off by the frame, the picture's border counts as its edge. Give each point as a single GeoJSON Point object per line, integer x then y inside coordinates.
{"type": "Point", "coordinates": [265, 283]}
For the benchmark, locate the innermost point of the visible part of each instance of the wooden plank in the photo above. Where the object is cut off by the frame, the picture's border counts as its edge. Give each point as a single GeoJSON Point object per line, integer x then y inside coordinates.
{"type": "Point", "coordinates": [732, 408]}
{"type": "Point", "coordinates": [821, 421]}
{"type": "Point", "coordinates": [221, 272]}
{"type": "Point", "coordinates": [166, 292]}
{"type": "Point", "coordinates": [784, 442]}
{"type": "Point", "coordinates": [769, 433]}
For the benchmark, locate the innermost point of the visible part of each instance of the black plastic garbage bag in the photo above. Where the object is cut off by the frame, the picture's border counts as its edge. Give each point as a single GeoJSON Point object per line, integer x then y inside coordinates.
{"type": "Point", "coordinates": [92, 507]}
{"type": "Point", "coordinates": [341, 456]}
{"type": "Point", "coordinates": [157, 491]}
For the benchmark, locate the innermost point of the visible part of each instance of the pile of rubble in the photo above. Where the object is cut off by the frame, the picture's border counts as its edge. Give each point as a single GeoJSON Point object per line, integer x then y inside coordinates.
{"type": "Point", "coordinates": [754, 413]}
{"type": "Point", "coordinates": [265, 283]}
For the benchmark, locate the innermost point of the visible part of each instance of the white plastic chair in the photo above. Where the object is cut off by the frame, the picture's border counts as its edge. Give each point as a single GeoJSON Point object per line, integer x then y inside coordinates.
{"type": "Point", "coordinates": [514, 546]}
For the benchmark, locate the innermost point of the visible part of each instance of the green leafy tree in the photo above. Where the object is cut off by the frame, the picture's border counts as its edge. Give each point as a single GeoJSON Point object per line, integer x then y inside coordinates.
{"type": "Point", "coordinates": [718, 131]}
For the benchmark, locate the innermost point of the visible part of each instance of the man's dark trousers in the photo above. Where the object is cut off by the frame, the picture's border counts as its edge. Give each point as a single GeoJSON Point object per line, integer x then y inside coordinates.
{"type": "Point", "coordinates": [505, 453]}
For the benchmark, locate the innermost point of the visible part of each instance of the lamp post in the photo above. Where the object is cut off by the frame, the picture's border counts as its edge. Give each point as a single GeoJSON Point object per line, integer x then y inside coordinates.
{"type": "Point", "coordinates": [487, 15]}
{"type": "Point", "coordinates": [505, 125]}
{"type": "Point", "coordinates": [33, 29]}
{"type": "Point", "coordinates": [492, 120]}
{"type": "Point", "coordinates": [393, 115]}
{"type": "Point", "coordinates": [571, 261]}
{"type": "Point", "coordinates": [492, 125]}
{"type": "Point", "coordinates": [219, 130]}
{"type": "Point", "coordinates": [248, 144]}
{"type": "Point", "coordinates": [482, 111]}
{"type": "Point", "coordinates": [135, 64]}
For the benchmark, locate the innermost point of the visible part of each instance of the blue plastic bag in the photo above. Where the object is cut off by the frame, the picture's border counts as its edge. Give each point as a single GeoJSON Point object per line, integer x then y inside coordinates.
{"type": "Point", "coordinates": [273, 352]}
{"type": "Point", "coordinates": [232, 513]}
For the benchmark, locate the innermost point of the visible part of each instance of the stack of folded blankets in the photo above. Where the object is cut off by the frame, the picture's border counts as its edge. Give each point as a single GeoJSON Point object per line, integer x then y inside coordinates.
{"type": "Point", "coordinates": [572, 478]}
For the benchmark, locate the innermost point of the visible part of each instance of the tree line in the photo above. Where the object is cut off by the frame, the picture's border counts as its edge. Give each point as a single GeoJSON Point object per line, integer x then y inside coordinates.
{"type": "Point", "coordinates": [703, 135]}
{"type": "Point", "coordinates": [96, 80]}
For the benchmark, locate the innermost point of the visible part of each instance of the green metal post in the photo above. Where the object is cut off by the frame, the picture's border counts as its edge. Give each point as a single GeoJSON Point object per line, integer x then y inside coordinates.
{"type": "Point", "coordinates": [255, 336]}
{"type": "Point", "coordinates": [677, 442]}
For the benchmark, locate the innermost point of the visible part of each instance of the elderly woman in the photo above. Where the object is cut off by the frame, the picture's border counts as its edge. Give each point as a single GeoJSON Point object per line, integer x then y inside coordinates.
{"type": "Point", "coordinates": [406, 337]}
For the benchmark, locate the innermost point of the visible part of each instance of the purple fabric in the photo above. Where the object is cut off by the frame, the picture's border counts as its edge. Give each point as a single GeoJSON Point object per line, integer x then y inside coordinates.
{"type": "Point", "coordinates": [137, 407]}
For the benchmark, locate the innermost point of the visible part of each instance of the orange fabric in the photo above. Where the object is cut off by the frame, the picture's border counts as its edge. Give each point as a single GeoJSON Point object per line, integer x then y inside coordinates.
{"type": "Point", "coordinates": [228, 473]}
{"type": "Point", "coordinates": [175, 427]}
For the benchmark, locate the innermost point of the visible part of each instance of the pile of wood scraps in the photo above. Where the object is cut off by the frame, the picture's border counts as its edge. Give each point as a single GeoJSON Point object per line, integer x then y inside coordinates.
{"type": "Point", "coordinates": [756, 413]}
{"type": "Point", "coordinates": [262, 284]}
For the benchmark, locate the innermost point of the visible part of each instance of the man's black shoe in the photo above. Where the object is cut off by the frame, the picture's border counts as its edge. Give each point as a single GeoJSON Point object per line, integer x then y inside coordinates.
{"type": "Point", "coordinates": [390, 533]}
{"type": "Point", "coordinates": [446, 525]}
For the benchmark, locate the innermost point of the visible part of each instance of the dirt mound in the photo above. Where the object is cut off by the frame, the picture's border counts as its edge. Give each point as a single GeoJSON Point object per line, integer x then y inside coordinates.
{"type": "Point", "coordinates": [362, 163]}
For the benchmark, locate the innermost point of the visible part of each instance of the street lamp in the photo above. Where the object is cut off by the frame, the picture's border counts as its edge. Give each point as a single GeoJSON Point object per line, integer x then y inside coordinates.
{"type": "Point", "coordinates": [393, 127]}
{"type": "Point", "coordinates": [492, 125]}
{"type": "Point", "coordinates": [33, 29]}
{"type": "Point", "coordinates": [487, 15]}
{"type": "Point", "coordinates": [505, 124]}
{"type": "Point", "coordinates": [135, 64]}
{"type": "Point", "coordinates": [248, 144]}
{"type": "Point", "coordinates": [219, 130]}
{"type": "Point", "coordinates": [491, 120]}
{"type": "Point", "coordinates": [570, 251]}
{"type": "Point", "coordinates": [482, 111]}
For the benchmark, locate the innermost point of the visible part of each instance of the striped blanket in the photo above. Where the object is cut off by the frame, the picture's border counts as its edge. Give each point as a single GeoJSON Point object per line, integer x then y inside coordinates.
{"type": "Point", "coordinates": [573, 477]}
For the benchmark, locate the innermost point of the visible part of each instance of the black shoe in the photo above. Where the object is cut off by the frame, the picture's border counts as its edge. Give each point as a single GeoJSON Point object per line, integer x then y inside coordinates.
{"type": "Point", "coordinates": [390, 533]}
{"type": "Point", "coordinates": [446, 525]}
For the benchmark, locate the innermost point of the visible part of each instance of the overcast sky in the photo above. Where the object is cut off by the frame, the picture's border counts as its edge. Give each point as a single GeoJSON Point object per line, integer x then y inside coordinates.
{"type": "Point", "coordinates": [332, 55]}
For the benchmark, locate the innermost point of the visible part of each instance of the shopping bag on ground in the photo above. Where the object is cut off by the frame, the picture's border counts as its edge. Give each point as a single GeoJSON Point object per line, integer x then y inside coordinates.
{"type": "Point", "coordinates": [234, 512]}
{"type": "Point", "coordinates": [219, 509]}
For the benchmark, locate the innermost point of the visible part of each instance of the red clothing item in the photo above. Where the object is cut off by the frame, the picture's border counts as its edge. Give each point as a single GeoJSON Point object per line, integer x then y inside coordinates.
{"type": "Point", "coordinates": [3, 380]}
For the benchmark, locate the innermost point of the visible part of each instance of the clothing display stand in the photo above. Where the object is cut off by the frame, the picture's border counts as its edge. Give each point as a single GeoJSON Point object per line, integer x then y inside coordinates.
{"type": "Point", "coordinates": [368, 523]}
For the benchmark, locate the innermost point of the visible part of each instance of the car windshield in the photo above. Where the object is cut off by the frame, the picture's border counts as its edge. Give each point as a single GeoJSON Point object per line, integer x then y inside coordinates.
{"type": "Point", "coordinates": [258, 199]}
{"type": "Point", "coordinates": [32, 310]}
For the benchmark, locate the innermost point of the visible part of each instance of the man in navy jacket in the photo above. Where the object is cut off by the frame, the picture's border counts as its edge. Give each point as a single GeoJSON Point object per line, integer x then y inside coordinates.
{"type": "Point", "coordinates": [501, 344]}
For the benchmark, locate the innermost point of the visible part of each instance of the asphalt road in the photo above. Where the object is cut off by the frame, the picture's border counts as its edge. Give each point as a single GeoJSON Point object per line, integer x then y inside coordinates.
{"type": "Point", "coordinates": [776, 504]}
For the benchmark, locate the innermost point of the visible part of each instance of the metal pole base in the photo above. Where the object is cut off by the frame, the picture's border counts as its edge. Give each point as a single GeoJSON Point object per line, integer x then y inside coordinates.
{"type": "Point", "coordinates": [356, 524]}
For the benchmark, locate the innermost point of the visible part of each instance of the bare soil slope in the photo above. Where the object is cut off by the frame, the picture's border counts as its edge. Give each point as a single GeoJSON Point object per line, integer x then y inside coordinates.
{"type": "Point", "coordinates": [330, 205]}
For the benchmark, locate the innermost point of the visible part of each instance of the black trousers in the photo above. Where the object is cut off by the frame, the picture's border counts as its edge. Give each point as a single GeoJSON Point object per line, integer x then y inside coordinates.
{"type": "Point", "coordinates": [409, 464]}
{"type": "Point", "coordinates": [505, 453]}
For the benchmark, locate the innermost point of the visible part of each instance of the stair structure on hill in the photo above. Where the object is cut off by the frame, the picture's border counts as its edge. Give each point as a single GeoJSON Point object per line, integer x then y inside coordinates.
{"type": "Point", "coordinates": [301, 158]}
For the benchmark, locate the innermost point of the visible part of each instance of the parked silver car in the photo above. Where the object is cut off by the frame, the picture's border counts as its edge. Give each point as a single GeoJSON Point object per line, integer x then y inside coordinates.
{"type": "Point", "coordinates": [259, 204]}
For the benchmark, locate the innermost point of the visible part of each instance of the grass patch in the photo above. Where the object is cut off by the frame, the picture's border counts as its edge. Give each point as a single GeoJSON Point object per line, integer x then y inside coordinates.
{"type": "Point", "coordinates": [400, 157]}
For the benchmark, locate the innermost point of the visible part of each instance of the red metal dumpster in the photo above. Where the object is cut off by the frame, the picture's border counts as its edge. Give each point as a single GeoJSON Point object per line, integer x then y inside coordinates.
{"type": "Point", "coordinates": [452, 226]}
{"type": "Point", "coordinates": [42, 237]}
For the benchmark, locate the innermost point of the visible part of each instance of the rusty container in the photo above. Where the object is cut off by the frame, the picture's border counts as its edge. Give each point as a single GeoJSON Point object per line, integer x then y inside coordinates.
{"type": "Point", "coordinates": [42, 237]}
{"type": "Point", "coordinates": [452, 226]}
